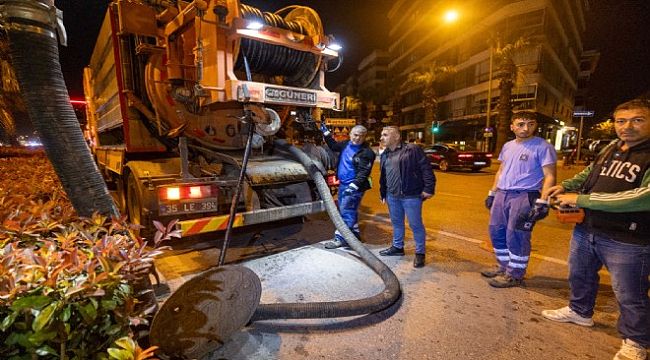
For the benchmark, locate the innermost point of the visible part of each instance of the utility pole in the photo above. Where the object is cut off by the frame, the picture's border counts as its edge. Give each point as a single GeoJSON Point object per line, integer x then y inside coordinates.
{"type": "Point", "coordinates": [582, 114]}
{"type": "Point", "coordinates": [582, 121]}
{"type": "Point", "coordinates": [489, 103]}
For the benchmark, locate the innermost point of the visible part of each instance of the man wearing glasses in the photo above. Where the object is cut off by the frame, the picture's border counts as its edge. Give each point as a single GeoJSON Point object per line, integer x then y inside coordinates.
{"type": "Point", "coordinates": [614, 192]}
{"type": "Point", "coordinates": [527, 167]}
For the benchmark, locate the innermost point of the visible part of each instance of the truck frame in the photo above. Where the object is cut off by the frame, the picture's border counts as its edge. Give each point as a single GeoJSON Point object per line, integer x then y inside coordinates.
{"type": "Point", "coordinates": [167, 87]}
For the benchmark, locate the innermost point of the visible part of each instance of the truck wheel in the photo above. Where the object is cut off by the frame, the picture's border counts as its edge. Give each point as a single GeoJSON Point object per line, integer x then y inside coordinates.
{"type": "Point", "coordinates": [444, 165]}
{"type": "Point", "coordinates": [135, 205]}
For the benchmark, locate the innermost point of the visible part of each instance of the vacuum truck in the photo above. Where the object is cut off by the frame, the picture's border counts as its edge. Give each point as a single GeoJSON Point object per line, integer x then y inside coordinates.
{"type": "Point", "coordinates": [174, 90]}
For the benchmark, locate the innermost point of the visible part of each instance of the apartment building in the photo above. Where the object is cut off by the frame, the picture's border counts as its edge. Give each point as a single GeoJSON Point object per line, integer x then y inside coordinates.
{"type": "Point", "coordinates": [548, 66]}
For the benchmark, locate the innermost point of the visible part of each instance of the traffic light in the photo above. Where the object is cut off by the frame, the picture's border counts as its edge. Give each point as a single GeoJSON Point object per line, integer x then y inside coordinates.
{"type": "Point", "coordinates": [435, 127]}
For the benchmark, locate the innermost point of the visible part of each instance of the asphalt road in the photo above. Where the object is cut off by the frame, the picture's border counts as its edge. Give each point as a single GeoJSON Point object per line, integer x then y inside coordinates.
{"type": "Point", "coordinates": [447, 310]}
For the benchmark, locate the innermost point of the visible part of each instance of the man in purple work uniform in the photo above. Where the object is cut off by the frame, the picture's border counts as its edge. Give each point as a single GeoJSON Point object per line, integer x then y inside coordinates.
{"type": "Point", "coordinates": [527, 167]}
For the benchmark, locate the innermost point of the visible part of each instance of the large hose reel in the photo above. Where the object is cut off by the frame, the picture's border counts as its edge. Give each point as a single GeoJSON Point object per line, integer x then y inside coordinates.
{"type": "Point", "coordinates": [298, 68]}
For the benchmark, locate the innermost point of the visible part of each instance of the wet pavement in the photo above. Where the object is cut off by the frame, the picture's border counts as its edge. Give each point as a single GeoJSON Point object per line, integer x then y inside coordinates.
{"type": "Point", "coordinates": [447, 310]}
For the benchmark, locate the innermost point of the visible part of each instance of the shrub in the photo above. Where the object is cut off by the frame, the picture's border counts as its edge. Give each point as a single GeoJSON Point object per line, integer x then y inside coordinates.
{"type": "Point", "coordinates": [66, 283]}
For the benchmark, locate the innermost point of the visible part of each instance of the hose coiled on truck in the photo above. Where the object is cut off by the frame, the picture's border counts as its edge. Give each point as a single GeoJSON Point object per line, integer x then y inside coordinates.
{"type": "Point", "coordinates": [298, 67]}
{"type": "Point", "coordinates": [381, 301]}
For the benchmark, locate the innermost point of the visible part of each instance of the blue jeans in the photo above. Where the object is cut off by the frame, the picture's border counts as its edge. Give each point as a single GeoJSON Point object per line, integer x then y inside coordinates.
{"type": "Point", "coordinates": [511, 244]}
{"type": "Point", "coordinates": [349, 210]}
{"type": "Point", "coordinates": [412, 207]}
{"type": "Point", "coordinates": [629, 267]}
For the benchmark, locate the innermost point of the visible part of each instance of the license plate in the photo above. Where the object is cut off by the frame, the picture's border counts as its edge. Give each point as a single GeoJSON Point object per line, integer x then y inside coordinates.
{"type": "Point", "coordinates": [189, 207]}
{"type": "Point", "coordinates": [480, 163]}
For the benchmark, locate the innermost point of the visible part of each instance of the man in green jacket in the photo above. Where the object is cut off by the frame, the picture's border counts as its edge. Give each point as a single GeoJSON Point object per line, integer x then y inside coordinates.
{"type": "Point", "coordinates": [614, 192]}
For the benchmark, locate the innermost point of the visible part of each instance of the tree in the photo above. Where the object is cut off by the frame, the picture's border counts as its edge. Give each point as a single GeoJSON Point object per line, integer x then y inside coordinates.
{"type": "Point", "coordinates": [353, 106]}
{"type": "Point", "coordinates": [603, 130]}
{"type": "Point", "coordinates": [508, 75]}
{"type": "Point", "coordinates": [428, 79]}
{"type": "Point", "coordinates": [11, 102]}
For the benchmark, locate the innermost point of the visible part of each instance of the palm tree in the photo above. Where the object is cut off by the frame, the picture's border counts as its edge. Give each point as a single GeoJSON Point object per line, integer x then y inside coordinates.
{"type": "Point", "coordinates": [428, 79]}
{"type": "Point", "coordinates": [508, 75]}
{"type": "Point", "coordinates": [10, 100]}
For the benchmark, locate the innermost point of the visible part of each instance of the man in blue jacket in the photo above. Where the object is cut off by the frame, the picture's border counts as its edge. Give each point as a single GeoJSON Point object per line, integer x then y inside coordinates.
{"type": "Point", "coordinates": [406, 180]}
{"type": "Point", "coordinates": [354, 167]}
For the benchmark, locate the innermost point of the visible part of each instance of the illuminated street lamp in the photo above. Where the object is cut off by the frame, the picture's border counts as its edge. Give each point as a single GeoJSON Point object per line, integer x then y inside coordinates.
{"type": "Point", "coordinates": [450, 16]}
{"type": "Point", "coordinates": [489, 102]}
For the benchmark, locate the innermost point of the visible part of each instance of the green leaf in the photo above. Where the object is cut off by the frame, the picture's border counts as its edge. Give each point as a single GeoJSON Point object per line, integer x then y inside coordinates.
{"type": "Point", "coordinates": [46, 350]}
{"type": "Point", "coordinates": [31, 302]}
{"type": "Point", "coordinates": [8, 321]}
{"type": "Point", "coordinates": [21, 339]}
{"type": "Point", "coordinates": [45, 316]}
{"type": "Point", "coordinates": [109, 304]}
{"type": "Point", "coordinates": [119, 354]}
{"type": "Point", "coordinates": [41, 336]}
{"type": "Point", "coordinates": [126, 343]}
{"type": "Point", "coordinates": [88, 312]}
{"type": "Point", "coordinates": [65, 314]}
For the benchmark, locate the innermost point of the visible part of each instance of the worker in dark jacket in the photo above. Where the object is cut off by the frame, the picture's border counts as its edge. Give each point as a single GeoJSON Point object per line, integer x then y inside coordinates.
{"type": "Point", "coordinates": [406, 180]}
{"type": "Point", "coordinates": [354, 167]}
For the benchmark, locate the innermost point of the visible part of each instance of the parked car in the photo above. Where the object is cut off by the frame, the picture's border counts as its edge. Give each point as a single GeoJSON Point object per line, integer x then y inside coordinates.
{"type": "Point", "coordinates": [450, 156]}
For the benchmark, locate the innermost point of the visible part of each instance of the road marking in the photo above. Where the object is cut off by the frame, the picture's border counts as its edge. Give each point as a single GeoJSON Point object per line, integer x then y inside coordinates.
{"type": "Point", "coordinates": [383, 219]}
{"type": "Point", "coordinates": [454, 195]}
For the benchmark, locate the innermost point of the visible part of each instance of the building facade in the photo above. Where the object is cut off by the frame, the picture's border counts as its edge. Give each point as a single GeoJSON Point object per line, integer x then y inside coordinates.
{"type": "Point", "coordinates": [547, 66]}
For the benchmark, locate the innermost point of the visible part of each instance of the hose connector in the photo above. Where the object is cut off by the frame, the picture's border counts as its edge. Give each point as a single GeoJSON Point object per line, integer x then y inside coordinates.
{"type": "Point", "coordinates": [37, 16]}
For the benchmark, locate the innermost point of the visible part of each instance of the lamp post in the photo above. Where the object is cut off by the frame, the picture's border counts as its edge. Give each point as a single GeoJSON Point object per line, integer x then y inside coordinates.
{"type": "Point", "coordinates": [489, 102]}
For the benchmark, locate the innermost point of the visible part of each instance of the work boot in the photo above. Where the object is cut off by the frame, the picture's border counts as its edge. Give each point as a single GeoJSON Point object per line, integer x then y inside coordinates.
{"type": "Point", "coordinates": [505, 281]}
{"type": "Point", "coordinates": [498, 271]}
{"type": "Point", "coordinates": [392, 251]}
{"type": "Point", "coordinates": [631, 350]}
{"type": "Point", "coordinates": [567, 315]}
{"type": "Point", "coordinates": [418, 262]}
{"type": "Point", "coordinates": [335, 244]}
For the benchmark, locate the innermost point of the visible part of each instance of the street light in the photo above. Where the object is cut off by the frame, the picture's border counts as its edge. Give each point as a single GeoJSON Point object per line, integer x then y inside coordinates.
{"type": "Point", "coordinates": [489, 101]}
{"type": "Point", "coordinates": [450, 16]}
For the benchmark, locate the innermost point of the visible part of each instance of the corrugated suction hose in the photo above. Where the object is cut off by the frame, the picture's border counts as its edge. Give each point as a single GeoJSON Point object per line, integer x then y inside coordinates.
{"type": "Point", "coordinates": [381, 301]}
{"type": "Point", "coordinates": [35, 57]}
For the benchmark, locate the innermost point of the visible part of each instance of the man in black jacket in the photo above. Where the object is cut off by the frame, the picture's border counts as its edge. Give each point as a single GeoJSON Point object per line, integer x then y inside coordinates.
{"type": "Point", "coordinates": [354, 167]}
{"type": "Point", "coordinates": [406, 180]}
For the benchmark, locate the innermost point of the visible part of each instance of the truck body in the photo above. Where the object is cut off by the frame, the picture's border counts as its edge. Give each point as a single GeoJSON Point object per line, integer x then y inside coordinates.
{"type": "Point", "coordinates": [172, 90]}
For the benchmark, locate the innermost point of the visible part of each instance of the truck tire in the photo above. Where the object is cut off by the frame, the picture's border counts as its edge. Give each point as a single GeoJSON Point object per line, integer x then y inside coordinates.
{"type": "Point", "coordinates": [135, 208]}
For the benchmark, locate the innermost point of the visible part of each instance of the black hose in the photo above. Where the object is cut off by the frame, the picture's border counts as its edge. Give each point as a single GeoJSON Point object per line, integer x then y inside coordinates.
{"type": "Point", "coordinates": [240, 181]}
{"type": "Point", "coordinates": [381, 301]}
{"type": "Point", "coordinates": [273, 60]}
{"type": "Point", "coordinates": [36, 61]}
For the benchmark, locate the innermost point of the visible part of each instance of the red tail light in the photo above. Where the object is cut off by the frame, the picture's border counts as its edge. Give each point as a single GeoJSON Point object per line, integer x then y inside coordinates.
{"type": "Point", "coordinates": [465, 156]}
{"type": "Point", "coordinates": [488, 155]}
{"type": "Point", "coordinates": [187, 192]}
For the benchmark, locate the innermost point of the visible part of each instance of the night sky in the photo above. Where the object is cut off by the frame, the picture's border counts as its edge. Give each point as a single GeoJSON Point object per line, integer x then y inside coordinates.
{"type": "Point", "coordinates": [618, 29]}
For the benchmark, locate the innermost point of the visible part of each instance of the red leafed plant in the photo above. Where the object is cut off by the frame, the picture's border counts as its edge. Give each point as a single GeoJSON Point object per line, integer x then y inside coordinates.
{"type": "Point", "coordinates": [66, 283]}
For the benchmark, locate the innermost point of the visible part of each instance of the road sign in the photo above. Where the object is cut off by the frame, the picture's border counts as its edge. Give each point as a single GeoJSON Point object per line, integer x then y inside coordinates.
{"type": "Point", "coordinates": [340, 122]}
{"type": "Point", "coordinates": [583, 113]}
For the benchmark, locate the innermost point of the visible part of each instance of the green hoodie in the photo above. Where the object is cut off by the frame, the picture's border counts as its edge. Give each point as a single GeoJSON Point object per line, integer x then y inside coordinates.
{"type": "Point", "coordinates": [617, 194]}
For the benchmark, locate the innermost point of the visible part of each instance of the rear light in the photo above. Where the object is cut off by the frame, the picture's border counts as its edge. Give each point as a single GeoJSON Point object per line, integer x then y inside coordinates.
{"type": "Point", "coordinates": [172, 193]}
{"type": "Point", "coordinates": [465, 156]}
{"type": "Point", "coordinates": [488, 155]}
{"type": "Point", "coordinates": [195, 192]}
